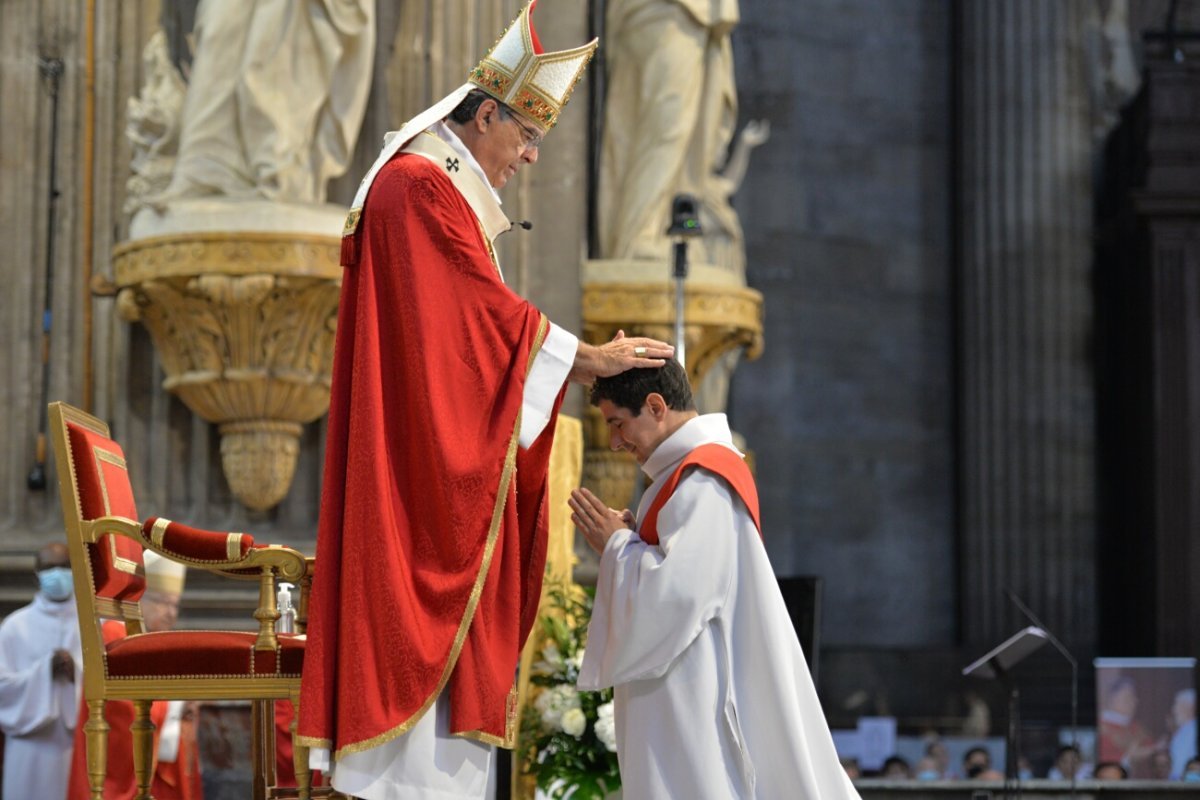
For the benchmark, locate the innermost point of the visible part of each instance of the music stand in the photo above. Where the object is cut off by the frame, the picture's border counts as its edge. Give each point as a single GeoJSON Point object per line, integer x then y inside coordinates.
{"type": "Point", "coordinates": [995, 664]}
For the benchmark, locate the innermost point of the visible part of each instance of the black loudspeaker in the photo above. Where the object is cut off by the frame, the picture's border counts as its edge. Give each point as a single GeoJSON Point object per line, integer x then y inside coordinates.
{"type": "Point", "coordinates": [802, 595]}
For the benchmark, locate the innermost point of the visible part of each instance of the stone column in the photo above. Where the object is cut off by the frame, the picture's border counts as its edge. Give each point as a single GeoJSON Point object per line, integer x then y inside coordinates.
{"type": "Point", "coordinates": [1027, 503]}
{"type": "Point", "coordinates": [1149, 290]}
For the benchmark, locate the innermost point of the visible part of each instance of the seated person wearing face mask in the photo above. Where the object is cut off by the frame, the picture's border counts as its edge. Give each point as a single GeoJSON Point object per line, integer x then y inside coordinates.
{"type": "Point", "coordinates": [40, 679]}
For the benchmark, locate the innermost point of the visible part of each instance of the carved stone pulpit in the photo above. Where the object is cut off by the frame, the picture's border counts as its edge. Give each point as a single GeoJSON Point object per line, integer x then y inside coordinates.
{"type": "Point", "coordinates": [243, 322]}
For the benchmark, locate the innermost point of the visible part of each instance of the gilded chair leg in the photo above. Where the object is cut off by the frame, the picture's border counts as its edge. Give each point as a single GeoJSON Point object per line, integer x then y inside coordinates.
{"type": "Point", "coordinates": [96, 742]}
{"type": "Point", "coordinates": [143, 748]}
{"type": "Point", "coordinates": [300, 755]}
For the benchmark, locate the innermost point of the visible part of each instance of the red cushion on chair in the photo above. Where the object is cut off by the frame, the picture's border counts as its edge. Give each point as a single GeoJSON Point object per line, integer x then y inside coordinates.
{"type": "Point", "coordinates": [202, 654]}
{"type": "Point", "coordinates": [197, 544]}
{"type": "Point", "coordinates": [104, 489]}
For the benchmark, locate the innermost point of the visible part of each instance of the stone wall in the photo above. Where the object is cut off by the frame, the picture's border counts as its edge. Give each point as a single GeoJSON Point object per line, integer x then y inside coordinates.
{"type": "Point", "coordinates": [847, 218]}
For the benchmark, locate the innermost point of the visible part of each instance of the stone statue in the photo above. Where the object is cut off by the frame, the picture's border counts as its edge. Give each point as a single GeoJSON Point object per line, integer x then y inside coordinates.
{"type": "Point", "coordinates": [671, 112]}
{"type": "Point", "coordinates": [275, 99]}
{"type": "Point", "coordinates": [232, 256]}
{"type": "Point", "coordinates": [670, 118]}
{"type": "Point", "coordinates": [152, 125]}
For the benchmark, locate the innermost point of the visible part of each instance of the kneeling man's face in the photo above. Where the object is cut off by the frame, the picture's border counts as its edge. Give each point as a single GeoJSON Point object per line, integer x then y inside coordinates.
{"type": "Point", "coordinates": [640, 435]}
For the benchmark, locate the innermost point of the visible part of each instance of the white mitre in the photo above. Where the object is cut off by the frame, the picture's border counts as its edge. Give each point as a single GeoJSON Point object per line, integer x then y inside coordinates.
{"type": "Point", "coordinates": [163, 574]}
{"type": "Point", "coordinates": [517, 72]}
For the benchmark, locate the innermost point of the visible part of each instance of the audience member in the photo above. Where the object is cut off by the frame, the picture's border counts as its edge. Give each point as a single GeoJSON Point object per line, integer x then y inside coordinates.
{"type": "Point", "coordinates": [1160, 766]}
{"type": "Point", "coordinates": [896, 768]}
{"type": "Point", "coordinates": [975, 762]}
{"type": "Point", "coordinates": [1191, 771]}
{"type": "Point", "coordinates": [40, 678]}
{"type": "Point", "coordinates": [1069, 760]}
{"type": "Point", "coordinates": [928, 769]}
{"type": "Point", "coordinates": [937, 751]}
{"type": "Point", "coordinates": [1110, 771]}
{"type": "Point", "coordinates": [851, 767]}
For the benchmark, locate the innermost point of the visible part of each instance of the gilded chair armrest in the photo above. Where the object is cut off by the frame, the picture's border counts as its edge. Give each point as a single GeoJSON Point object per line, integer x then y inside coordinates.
{"type": "Point", "coordinates": [229, 552]}
{"type": "Point", "coordinates": [196, 546]}
{"type": "Point", "coordinates": [92, 530]}
{"type": "Point", "coordinates": [288, 564]}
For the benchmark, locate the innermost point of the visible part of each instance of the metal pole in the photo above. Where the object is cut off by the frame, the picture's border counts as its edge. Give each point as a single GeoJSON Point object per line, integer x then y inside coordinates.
{"type": "Point", "coordinates": [51, 69]}
{"type": "Point", "coordinates": [680, 277]}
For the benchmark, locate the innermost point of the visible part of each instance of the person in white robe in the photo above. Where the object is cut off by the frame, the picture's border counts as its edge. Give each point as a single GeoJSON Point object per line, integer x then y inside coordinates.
{"type": "Point", "coordinates": [40, 678]}
{"type": "Point", "coordinates": [712, 695]}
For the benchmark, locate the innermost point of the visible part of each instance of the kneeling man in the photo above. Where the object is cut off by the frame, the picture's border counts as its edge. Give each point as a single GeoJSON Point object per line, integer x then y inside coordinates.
{"type": "Point", "coordinates": [713, 698]}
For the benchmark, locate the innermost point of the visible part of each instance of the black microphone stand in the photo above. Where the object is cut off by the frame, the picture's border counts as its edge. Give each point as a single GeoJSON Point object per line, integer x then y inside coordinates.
{"type": "Point", "coordinates": [1060, 647]}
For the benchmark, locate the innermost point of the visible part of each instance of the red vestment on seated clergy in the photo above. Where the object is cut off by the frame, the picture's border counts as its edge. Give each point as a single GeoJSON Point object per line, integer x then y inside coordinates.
{"type": "Point", "coordinates": [432, 533]}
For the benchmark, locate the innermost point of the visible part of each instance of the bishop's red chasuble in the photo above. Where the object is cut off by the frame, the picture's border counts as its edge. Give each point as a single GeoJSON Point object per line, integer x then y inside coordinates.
{"type": "Point", "coordinates": [180, 780]}
{"type": "Point", "coordinates": [432, 532]}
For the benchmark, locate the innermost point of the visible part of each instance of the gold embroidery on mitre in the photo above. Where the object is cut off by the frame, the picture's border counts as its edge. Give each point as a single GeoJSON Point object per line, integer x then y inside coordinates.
{"type": "Point", "coordinates": [536, 85]}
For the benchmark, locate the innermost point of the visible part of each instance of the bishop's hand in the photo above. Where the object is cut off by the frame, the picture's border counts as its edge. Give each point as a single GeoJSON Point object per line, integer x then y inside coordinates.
{"type": "Point", "coordinates": [621, 354]}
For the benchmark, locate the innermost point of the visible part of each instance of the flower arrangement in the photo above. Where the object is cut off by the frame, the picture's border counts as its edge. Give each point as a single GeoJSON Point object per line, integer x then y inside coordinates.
{"type": "Point", "coordinates": [569, 740]}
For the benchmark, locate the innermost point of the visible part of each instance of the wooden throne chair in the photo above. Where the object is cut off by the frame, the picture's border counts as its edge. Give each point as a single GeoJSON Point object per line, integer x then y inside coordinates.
{"type": "Point", "coordinates": [106, 539]}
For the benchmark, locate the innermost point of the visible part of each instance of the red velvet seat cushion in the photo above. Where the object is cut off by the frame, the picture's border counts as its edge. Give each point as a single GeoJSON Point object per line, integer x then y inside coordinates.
{"type": "Point", "coordinates": [202, 654]}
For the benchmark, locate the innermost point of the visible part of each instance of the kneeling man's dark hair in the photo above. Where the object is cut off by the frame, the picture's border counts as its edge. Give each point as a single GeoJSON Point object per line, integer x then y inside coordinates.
{"type": "Point", "coordinates": [630, 389]}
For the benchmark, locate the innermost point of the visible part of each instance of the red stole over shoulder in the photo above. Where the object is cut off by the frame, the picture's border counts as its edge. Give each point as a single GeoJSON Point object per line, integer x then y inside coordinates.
{"type": "Point", "coordinates": [432, 532]}
{"type": "Point", "coordinates": [717, 459]}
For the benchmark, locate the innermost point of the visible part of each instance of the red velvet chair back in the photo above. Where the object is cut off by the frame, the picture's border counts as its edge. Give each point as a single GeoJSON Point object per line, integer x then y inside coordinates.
{"type": "Point", "coordinates": [102, 488]}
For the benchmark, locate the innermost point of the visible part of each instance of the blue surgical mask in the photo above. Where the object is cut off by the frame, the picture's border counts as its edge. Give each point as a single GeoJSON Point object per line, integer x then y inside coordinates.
{"type": "Point", "coordinates": [56, 583]}
{"type": "Point", "coordinates": [1191, 777]}
{"type": "Point", "coordinates": [929, 775]}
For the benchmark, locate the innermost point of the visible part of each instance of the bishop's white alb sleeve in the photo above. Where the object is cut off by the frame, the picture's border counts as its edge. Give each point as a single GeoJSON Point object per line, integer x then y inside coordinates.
{"type": "Point", "coordinates": [653, 601]}
{"type": "Point", "coordinates": [546, 377]}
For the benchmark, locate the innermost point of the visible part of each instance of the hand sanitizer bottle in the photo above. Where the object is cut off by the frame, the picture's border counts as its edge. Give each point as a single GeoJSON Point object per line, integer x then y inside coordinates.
{"type": "Point", "coordinates": [287, 612]}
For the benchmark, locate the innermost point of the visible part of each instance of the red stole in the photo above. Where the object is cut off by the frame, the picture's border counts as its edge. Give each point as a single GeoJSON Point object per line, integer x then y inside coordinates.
{"type": "Point", "coordinates": [178, 781]}
{"type": "Point", "coordinates": [432, 533]}
{"type": "Point", "coordinates": [720, 461]}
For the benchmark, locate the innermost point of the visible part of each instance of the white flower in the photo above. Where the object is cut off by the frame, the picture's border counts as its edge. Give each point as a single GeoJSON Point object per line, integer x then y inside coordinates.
{"type": "Point", "coordinates": [551, 656]}
{"type": "Point", "coordinates": [606, 730]}
{"type": "Point", "coordinates": [576, 660]}
{"type": "Point", "coordinates": [552, 703]}
{"type": "Point", "coordinates": [574, 723]}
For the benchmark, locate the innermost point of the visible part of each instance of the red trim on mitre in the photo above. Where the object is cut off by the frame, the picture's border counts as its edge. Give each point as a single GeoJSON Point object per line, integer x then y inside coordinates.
{"type": "Point", "coordinates": [537, 43]}
{"type": "Point", "coordinates": [722, 462]}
